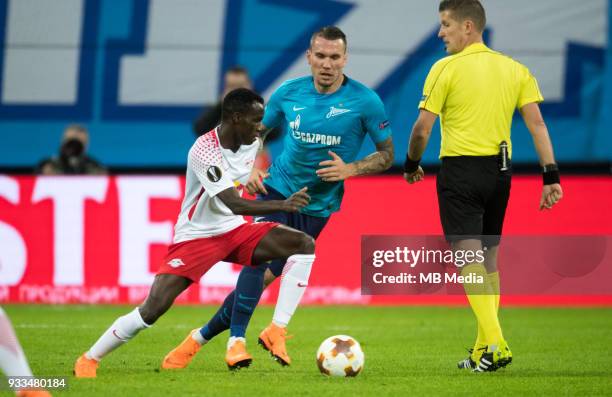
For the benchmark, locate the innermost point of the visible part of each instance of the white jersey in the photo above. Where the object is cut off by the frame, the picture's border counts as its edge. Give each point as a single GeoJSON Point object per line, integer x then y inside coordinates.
{"type": "Point", "coordinates": [210, 170]}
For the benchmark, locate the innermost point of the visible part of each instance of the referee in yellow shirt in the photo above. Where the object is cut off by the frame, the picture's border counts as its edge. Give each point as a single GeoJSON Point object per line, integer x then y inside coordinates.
{"type": "Point", "coordinates": [475, 90]}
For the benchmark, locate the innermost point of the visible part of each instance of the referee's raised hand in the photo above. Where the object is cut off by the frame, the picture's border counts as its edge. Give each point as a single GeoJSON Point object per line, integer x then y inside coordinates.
{"type": "Point", "coordinates": [415, 176]}
{"type": "Point", "coordinates": [551, 194]}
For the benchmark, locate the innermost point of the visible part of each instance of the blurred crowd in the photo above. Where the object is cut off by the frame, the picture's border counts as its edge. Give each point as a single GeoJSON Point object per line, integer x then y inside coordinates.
{"type": "Point", "coordinates": [72, 156]}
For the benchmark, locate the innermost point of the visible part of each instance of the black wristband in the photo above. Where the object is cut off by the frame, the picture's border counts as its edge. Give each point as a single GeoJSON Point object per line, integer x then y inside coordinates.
{"type": "Point", "coordinates": [550, 167]}
{"type": "Point", "coordinates": [411, 166]}
{"type": "Point", "coordinates": [550, 176]}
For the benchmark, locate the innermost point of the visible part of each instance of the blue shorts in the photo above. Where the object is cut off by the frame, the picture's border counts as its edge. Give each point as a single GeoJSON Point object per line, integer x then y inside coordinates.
{"type": "Point", "coordinates": [311, 225]}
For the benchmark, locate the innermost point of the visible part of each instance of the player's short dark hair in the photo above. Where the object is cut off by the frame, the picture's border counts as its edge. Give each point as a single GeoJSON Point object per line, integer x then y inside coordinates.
{"type": "Point", "coordinates": [329, 33]}
{"type": "Point", "coordinates": [239, 100]}
{"type": "Point", "coordinates": [466, 9]}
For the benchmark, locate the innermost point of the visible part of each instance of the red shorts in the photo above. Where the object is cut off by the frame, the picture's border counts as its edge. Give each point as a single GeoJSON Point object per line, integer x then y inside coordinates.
{"type": "Point", "coordinates": [193, 258]}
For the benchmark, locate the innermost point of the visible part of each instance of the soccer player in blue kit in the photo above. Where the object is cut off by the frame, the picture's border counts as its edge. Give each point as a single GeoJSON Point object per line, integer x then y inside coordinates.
{"type": "Point", "coordinates": [325, 116]}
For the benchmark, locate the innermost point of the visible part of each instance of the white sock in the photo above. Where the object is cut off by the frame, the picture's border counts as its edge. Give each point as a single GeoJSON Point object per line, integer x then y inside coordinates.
{"type": "Point", "coordinates": [123, 329]}
{"type": "Point", "coordinates": [197, 336]}
{"type": "Point", "coordinates": [12, 359]}
{"type": "Point", "coordinates": [234, 339]}
{"type": "Point", "coordinates": [294, 281]}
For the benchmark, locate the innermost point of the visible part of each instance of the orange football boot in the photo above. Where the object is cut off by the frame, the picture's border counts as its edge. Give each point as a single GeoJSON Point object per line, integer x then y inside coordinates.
{"type": "Point", "coordinates": [182, 355]}
{"type": "Point", "coordinates": [273, 338]}
{"type": "Point", "coordinates": [85, 367]}
{"type": "Point", "coordinates": [237, 357]}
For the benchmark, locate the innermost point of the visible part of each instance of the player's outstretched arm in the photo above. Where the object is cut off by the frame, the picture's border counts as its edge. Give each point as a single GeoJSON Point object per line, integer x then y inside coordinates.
{"type": "Point", "coordinates": [551, 191]}
{"type": "Point", "coordinates": [241, 206]}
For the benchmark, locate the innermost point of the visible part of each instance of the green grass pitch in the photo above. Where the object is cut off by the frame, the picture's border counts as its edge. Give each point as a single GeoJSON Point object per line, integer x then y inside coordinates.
{"type": "Point", "coordinates": [408, 350]}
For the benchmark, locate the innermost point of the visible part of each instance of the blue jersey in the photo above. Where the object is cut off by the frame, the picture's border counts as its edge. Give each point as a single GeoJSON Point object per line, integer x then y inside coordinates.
{"type": "Point", "coordinates": [314, 124]}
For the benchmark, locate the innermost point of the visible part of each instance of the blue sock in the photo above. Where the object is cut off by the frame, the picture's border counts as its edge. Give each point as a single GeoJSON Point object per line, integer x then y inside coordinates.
{"type": "Point", "coordinates": [276, 266]}
{"type": "Point", "coordinates": [221, 320]}
{"type": "Point", "coordinates": [248, 291]}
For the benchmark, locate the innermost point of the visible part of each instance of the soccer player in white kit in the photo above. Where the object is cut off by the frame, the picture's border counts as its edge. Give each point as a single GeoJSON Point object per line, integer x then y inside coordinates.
{"type": "Point", "coordinates": [210, 227]}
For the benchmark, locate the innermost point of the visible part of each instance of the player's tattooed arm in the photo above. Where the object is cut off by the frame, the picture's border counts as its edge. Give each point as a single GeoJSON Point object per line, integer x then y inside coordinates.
{"type": "Point", "coordinates": [337, 170]}
{"type": "Point", "coordinates": [241, 206]}
{"type": "Point", "coordinates": [379, 161]}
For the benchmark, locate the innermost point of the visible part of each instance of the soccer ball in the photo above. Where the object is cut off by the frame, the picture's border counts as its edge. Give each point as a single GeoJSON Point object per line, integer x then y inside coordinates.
{"type": "Point", "coordinates": [340, 355]}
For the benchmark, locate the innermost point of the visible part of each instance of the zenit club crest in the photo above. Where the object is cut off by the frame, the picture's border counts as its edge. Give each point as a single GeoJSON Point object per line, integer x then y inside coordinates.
{"type": "Point", "coordinates": [213, 173]}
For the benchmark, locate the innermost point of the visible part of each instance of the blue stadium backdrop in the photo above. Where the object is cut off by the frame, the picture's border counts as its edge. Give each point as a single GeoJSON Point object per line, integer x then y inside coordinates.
{"type": "Point", "coordinates": [137, 72]}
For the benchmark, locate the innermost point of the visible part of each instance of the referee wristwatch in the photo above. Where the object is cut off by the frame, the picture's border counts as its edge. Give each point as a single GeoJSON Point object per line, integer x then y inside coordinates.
{"type": "Point", "coordinates": [550, 174]}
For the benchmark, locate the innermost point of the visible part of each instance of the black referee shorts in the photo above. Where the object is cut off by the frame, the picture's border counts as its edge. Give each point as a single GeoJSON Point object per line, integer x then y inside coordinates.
{"type": "Point", "coordinates": [472, 196]}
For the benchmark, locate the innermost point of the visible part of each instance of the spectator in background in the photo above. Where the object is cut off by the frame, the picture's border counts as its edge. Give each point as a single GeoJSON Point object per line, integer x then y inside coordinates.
{"type": "Point", "coordinates": [235, 77]}
{"type": "Point", "coordinates": [72, 157]}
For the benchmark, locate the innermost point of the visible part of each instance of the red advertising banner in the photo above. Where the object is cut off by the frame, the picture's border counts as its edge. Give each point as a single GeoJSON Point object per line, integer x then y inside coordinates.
{"type": "Point", "coordinates": [101, 239]}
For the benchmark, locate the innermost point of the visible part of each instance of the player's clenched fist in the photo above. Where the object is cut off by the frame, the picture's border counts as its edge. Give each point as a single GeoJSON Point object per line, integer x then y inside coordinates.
{"type": "Point", "coordinates": [415, 176]}
{"type": "Point", "coordinates": [296, 201]}
{"type": "Point", "coordinates": [551, 194]}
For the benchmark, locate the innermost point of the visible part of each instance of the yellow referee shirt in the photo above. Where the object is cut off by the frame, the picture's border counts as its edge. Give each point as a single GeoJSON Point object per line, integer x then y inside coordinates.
{"type": "Point", "coordinates": [475, 93]}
